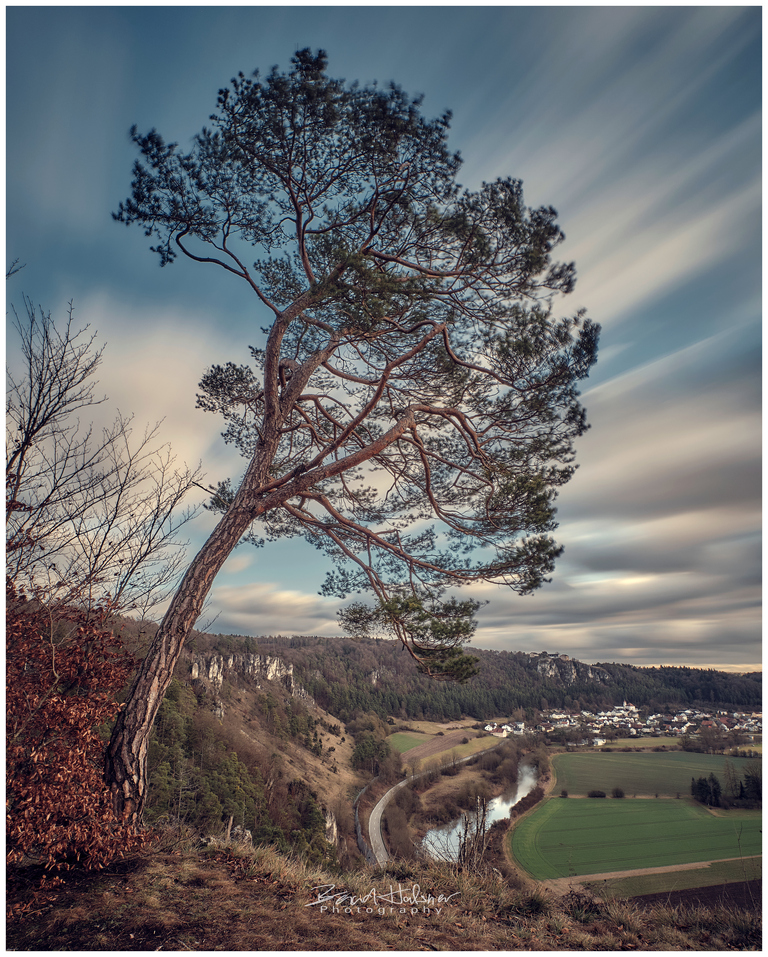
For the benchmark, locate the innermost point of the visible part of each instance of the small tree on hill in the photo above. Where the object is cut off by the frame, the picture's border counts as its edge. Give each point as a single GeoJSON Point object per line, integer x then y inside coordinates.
{"type": "Point", "coordinates": [412, 408]}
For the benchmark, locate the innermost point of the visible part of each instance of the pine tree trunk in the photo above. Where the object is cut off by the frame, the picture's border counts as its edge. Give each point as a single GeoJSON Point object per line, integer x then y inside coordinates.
{"type": "Point", "coordinates": [126, 756]}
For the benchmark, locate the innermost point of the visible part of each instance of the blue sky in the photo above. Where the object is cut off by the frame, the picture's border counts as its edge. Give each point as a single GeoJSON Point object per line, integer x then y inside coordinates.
{"type": "Point", "coordinates": [641, 126]}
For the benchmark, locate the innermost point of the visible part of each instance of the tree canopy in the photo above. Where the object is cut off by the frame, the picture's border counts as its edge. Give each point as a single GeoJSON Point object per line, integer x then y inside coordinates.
{"type": "Point", "coordinates": [411, 400]}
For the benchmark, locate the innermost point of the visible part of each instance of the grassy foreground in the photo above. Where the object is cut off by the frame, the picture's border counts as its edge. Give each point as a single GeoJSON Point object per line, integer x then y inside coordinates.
{"type": "Point", "coordinates": [179, 898]}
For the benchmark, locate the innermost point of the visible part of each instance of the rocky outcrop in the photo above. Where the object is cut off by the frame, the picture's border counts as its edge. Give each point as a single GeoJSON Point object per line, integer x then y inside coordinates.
{"type": "Point", "coordinates": [331, 827]}
{"type": "Point", "coordinates": [568, 670]}
{"type": "Point", "coordinates": [377, 675]}
{"type": "Point", "coordinates": [215, 668]}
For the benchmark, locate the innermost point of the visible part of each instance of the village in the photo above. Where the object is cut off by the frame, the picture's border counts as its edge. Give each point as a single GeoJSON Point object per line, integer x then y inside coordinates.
{"type": "Point", "coordinates": [626, 721]}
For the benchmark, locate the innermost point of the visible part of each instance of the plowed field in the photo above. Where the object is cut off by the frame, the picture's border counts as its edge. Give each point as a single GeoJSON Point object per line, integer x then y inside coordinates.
{"type": "Point", "coordinates": [438, 744]}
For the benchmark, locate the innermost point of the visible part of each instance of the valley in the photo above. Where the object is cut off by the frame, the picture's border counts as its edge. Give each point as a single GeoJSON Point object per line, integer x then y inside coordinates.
{"type": "Point", "coordinates": [242, 742]}
{"type": "Point", "coordinates": [307, 764]}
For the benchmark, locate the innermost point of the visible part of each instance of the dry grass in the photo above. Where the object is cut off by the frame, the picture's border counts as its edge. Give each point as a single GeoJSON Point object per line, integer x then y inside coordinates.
{"type": "Point", "coordinates": [447, 747]}
{"type": "Point", "coordinates": [189, 899]}
{"type": "Point", "coordinates": [242, 714]}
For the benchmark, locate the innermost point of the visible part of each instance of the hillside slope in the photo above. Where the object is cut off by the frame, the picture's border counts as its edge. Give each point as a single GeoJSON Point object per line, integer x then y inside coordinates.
{"type": "Point", "coordinates": [237, 739]}
{"type": "Point", "coordinates": [379, 676]}
{"type": "Point", "coordinates": [177, 898]}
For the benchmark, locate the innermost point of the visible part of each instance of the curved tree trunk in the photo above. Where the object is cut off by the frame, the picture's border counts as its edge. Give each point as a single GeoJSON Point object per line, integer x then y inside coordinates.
{"type": "Point", "coordinates": [126, 756]}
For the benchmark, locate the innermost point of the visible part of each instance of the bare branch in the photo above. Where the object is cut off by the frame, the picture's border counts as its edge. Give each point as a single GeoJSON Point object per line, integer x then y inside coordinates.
{"type": "Point", "coordinates": [92, 516]}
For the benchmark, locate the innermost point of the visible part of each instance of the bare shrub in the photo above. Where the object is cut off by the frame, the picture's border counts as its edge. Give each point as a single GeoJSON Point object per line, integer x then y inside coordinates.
{"type": "Point", "coordinates": [63, 673]}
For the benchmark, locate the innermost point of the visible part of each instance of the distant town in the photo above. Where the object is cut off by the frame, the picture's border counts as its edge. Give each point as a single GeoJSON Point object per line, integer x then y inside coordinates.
{"type": "Point", "coordinates": [625, 720]}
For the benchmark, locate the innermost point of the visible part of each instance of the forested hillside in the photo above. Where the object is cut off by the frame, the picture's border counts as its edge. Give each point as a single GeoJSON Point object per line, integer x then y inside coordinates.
{"type": "Point", "coordinates": [205, 769]}
{"type": "Point", "coordinates": [249, 748]}
{"type": "Point", "coordinates": [347, 676]}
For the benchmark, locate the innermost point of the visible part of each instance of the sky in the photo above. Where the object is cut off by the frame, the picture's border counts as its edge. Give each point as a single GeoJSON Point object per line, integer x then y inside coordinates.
{"type": "Point", "coordinates": [640, 125]}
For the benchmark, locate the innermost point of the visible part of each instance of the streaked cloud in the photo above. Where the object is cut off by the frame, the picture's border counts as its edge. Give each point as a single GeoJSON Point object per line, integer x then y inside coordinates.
{"type": "Point", "coordinates": [656, 244]}
{"type": "Point", "coordinates": [153, 361]}
{"type": "Point", "coordinates": [278, 610]}
{"type": "Point", "coordinates": [641, 125]}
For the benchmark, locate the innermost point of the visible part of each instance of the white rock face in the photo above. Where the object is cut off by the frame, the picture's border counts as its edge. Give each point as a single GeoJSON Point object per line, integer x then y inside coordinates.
{"type": "Point", "coordinates": [331, 827]}
{"type": "Point", "coordinates": [569, 670]}
{"type": "Point", "coordinates": [215, 668]}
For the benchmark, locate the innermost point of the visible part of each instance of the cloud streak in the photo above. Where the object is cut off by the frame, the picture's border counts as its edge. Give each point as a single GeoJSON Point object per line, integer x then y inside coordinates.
{"type": "Point", "coordinates": [279, 611]}
{"type": "Point", "coordinates": [642, 126]}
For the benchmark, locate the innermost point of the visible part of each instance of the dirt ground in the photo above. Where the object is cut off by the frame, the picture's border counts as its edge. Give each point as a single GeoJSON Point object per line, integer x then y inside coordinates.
{"type": "Point", "coordinates": [436, 746]}
{"type": "Point", "coordinates": [561, 885]}
{"type": "Point", "coordinates": [747, 895]}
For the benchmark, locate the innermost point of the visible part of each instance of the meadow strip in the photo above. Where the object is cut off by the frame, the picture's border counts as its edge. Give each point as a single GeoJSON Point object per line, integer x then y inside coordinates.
{"type": "Point", "coordinates": [709, 875]}
{"type": "Point", "coordinates": [649, 774]}
{"type": "Point", "coordinates": [402, 742]}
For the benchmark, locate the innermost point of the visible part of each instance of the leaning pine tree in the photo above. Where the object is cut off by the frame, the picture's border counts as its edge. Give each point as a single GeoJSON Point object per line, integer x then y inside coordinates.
{"type": "Point", "coordinates": [412, 409]}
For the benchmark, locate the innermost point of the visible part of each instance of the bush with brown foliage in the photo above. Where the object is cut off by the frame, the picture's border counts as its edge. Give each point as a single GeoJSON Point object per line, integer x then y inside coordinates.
{"type": "Point", "coordinates": [63, 673]}
{"type": "Point", "coordinates": [530, 800]}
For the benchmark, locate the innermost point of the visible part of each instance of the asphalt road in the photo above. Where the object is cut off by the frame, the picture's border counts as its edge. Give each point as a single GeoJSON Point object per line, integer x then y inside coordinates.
{"type": "Point", "coordinates": [375, 835]}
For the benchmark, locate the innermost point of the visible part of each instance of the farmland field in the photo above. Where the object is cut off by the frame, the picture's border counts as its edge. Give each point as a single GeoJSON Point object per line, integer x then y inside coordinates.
{"type": "Point", "coordinates": [589, 836]}
{"type": "Point", "coordinates": [708, 875]}
{"type": "Point", "coordinates": [440, 748]}
{"type": "Point", "coordinates": [402, 741]}
{"type": "Point", "coordinates": [642, 773]}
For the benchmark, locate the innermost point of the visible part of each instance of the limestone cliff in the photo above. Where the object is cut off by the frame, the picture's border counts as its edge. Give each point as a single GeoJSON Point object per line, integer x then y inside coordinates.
{"type": "Point", "coordinates": [215, 668]}
{"type": "Point", "coordinates": [568, 670]}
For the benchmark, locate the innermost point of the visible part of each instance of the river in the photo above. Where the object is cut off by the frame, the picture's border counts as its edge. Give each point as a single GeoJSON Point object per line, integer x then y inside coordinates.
{"type": "Point", "coordinates": [443, 842]}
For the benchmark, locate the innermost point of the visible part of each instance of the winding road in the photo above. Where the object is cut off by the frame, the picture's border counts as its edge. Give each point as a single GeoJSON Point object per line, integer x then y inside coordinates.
{"type": "Point", "coordinates": [375, 835]}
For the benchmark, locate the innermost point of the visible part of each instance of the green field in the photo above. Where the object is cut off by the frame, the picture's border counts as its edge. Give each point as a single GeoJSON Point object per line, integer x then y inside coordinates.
{"type": "Point", "coordinates": [590, 836]}
{"type": "Point", "coordinates": [401, 741]}
{"type": "Point", "coordinates": [665, 773]}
